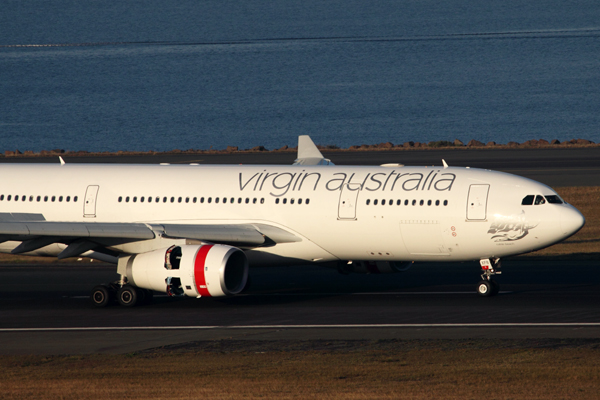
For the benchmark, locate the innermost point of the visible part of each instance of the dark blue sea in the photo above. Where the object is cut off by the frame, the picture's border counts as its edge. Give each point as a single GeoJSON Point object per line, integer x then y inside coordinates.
{"type": "Point", "coordinates": [162, 74]}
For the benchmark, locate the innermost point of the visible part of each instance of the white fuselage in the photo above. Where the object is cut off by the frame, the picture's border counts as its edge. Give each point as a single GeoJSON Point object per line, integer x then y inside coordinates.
{"type": "Point", "coordinates": [339, 212]}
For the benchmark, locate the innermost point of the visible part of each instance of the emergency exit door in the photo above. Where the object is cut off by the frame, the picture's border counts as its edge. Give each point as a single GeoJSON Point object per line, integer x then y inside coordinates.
{"type": "Point", "coordinates": [89, 205]}
{"type": "Point", "coordinates": [348, 200]}
{"type": "Point", "coordinates": [477, 202]}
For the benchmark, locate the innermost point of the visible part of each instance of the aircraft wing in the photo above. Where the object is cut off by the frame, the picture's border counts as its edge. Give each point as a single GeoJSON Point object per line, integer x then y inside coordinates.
{"type": "Point", "coordinates": [35, 232]}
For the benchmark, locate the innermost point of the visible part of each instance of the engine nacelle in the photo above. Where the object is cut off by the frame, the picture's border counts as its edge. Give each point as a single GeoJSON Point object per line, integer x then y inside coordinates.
{"type": "Point", "coordinates": [192, 270]}
{"type": "Point", "coordinates": [373, 267]}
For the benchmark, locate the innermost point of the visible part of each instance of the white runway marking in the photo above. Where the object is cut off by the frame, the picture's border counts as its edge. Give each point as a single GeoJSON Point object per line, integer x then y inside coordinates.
{"type": "Point", "coordinates": [342, 326]}
{"type": "Point", "coordinates": [325, 294]}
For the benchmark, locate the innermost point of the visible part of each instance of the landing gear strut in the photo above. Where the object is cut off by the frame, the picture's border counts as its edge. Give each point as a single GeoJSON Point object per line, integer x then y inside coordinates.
{"type": "Point", "coordinates": [487, 286]}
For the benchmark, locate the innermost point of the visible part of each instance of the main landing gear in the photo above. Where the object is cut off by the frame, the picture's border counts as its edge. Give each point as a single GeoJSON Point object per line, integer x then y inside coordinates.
{"type": "Point", "coordinates": [487, 286]}
{"type": "Point", "coordinates": [120, 293]}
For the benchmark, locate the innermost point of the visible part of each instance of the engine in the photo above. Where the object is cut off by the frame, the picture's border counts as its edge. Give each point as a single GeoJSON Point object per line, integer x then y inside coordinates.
{"type": "Point", "coordinates": [191, 270]}
{"type": "Point", "coordinates": [373, 267]}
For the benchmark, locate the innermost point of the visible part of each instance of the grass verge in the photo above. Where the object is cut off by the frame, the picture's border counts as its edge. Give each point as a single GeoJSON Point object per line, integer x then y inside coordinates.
{"type": "Point", "coordinates": [354, 370]}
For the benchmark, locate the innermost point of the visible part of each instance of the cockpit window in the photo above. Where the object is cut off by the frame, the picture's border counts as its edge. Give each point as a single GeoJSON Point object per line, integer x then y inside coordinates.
{"type": "Point", "coordinates": [553, 199]}
{"type": "Point", "coordinates": [539, 200]}
{"type": "Point", "coordinates": [528, 200]}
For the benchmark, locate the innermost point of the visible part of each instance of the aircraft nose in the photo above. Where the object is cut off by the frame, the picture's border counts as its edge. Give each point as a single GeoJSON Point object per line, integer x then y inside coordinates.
{"type": "Point", "coordinates": [571, 220]}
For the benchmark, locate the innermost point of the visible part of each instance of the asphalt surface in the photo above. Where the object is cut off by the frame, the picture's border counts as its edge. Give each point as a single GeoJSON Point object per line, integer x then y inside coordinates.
{"type": "Point", "coordinates": [45, 309]}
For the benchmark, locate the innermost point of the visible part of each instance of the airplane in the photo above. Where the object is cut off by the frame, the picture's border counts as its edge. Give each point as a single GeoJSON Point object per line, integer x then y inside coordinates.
{"type": "Point", "coordinates": [194, 230]}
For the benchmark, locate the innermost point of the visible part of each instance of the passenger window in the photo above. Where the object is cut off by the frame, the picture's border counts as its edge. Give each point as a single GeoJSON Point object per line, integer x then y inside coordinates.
{"type": "Point", "coordinates": [553, 199]}
{"type": "Point", "coordinates": [398, 202]}
{"type": "Point", "coordinates": [216, 200]}
{"type": "Point", "coordinates": [299, 201]}
{"type": "Point", "coordinates": [437, 202]}
{"type": "Point", "coordinates": [254, 201]}
{"type": "Point", "coordinates": [247, 200]}
{"type": "Point", "coordinates": [539, 200]}
{"type": "Point", "coordinates": [2, 197]}
{"type": "Point", "coordinates": [445, 202]}
{"type": "Point", "coordinates": [187, 199]}
{"type": "Point", "coordinates": [406, 202]}
{"type": "Point", "coordinates": [134, 199]}
{"type": "Point", "coordinates": [232, 200]}
{"type": "Point", "coordinates": [126, 199]}
{"type": "Point", "coordinates": [284, 201]}
{"type": "Point", "coordinates": [368, 201]}
{"type": "Point", "coordinates": [391, 202]}
{"type": "Point", "coordinates": [277, 201]}
{"type": "Point", "coordinates": [210, 199]}
{"type": "Point", "coordinates": [142, 199]}
{"type": "Point", "coordinates": [68, 198]}
{"type": "Point", "coordinates": [428, 202]}
{"type": "Point", "coordinates": [262, 200]}
{"type": "Point", "coordinates": [414, 202]}
{"type": "Point", "coordinates": [179, 200]}
{"type": "Point", "coordinates": [307, 201]}
{"type": "Point", "coordinates": [75, 199]}
{"type": "Point", "coordinates": [239, 200]}
{"type": "Point", "coordinates": [375, 202]}
{"type": "Point", "coordinates": [422, 202]}
{"type": "Point", "coordinates": [383, 202]}
{"type": "Point", "coordinates": [23, 198]}
{"type": "Point", "coordinates": [527, 200]}
{"type": "Point", "coordinates": [31, 198]}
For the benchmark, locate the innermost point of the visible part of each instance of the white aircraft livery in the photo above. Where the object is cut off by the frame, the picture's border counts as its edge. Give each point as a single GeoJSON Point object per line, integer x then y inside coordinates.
{"type": "Point", "coordinates": [194, 230]}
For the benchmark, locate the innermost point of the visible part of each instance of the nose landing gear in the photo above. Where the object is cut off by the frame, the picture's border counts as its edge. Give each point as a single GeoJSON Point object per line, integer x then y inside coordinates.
{"type": "Point", "coordinates": [487, 286]}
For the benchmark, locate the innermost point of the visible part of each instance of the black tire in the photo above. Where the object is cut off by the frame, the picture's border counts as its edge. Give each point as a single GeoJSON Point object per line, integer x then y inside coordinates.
{"type": "Point", "coordinates": [127, 296]}
{"type": "Point", "coordinates": [495, 288]}
{"type": "Point", "coordinates": [149, 296]}
{"type": "Point", "coordinates": [102, 296]}
{"type": "Point", "coordinates": [141, 293]}
{"type": "Point", "coordinates": [485, 288]}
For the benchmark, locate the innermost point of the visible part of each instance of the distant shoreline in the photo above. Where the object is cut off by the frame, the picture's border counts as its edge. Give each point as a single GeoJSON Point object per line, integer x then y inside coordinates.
{"type": "Point", "coordinates": [387, 146]}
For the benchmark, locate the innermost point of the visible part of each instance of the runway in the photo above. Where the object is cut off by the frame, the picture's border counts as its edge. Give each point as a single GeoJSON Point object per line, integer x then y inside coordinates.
{"type": "Point", "coordinates": [44, 309]}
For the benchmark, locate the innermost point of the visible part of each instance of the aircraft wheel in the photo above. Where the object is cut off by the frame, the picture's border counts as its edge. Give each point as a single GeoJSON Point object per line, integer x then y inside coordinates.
{"type": "Point", "coordinates": [485, 288]}
{"type": "Point", "coordinates": [128, 296]}
{"type": "Point", "coordinates": [495, 287]}
{"type": "Point", "coordinates": [102, 296]}
{"type": "Point", "coordinates": [148, 295]}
